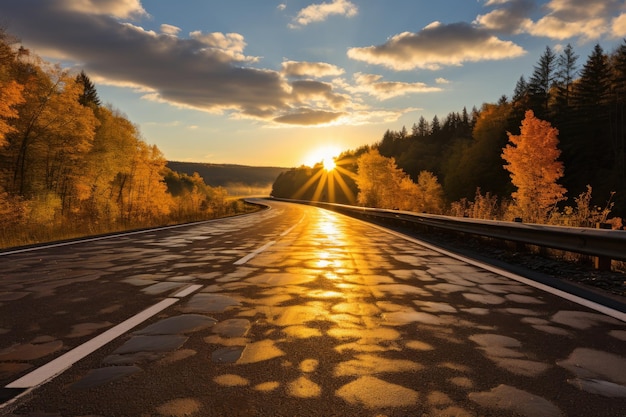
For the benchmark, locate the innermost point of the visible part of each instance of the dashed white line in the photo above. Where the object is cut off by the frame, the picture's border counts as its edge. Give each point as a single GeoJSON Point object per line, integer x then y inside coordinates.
{"type": "Point", "coordinates": [253, 254]}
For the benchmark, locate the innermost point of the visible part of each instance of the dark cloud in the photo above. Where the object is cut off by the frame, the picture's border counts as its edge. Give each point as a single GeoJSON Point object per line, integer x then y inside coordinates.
{"type": "Point", "coordinates": [207, 72]}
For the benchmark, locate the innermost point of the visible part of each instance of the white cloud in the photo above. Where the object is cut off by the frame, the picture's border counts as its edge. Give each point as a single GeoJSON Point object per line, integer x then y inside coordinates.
{"type": "Point", "coordinates": [372, 85]}
{"type": "Point", "coordinates": [310, 69]}
{"type": "Point", "coordinates": [437, 45]}
{"type": "Point", "coordinates": [441, 80]}
{"type": "Point", "coordinates": [320, 12]}
{"type": "Point", "coordinates": [587, 20]}
{"type": "Point", "coordinates": [170, 30]}
{"type": "Point", "coordinates": [122, 9]}
{"type": "Point", "coordinates": [618, 26]}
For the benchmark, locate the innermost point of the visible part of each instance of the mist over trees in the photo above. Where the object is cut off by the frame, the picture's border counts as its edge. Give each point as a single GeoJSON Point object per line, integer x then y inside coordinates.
{"type": "Point", "coordinates": [584, 102]}
{"type": "Point", "coordinates": [70, 164]}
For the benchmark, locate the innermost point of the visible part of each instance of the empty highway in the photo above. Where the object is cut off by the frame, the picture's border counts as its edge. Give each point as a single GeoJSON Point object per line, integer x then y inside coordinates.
{"type": "Point", "coordinates": [293, 311]}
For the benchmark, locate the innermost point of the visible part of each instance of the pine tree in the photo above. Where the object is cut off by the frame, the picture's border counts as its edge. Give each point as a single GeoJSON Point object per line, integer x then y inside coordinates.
{"type": "Point", "coordinates": [566, 73]}
{"type": "Point", "coordinates": [542, 81]}
{"type": "Point", "coordinates": [89, 97]}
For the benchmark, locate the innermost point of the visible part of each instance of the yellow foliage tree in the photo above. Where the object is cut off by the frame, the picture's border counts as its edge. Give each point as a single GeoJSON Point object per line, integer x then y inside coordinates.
{"type": "Point", "coordinates": [10, 96]}
{"type": "Point", "coordinates": [532, 163]}
{"type": "Point", "coordinates": [382, 184]}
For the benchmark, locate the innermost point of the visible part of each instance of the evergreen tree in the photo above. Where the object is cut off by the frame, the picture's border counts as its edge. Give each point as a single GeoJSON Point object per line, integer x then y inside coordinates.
{"type": "Point", "coordinates": [435, 126]}
{"type": "Point", "coordinates": [89, 97]}
{"type": "Point", "coordinates": [541, 82]}
{"type": "Point", "coordinates": [589, 150]}
{"type": "Point", "coordinates": [566, 73]}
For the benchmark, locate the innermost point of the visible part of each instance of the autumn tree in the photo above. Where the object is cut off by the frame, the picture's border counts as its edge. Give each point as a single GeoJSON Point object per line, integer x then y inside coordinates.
{"type": "Point", "coordinates": [534, 169]}
{"type": "Point", "coordinates": [382, 184]}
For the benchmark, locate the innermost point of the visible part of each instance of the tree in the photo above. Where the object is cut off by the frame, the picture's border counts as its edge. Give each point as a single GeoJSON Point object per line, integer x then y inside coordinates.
{"type": "Point", "coordinates": [89, 97]}
{"type": "Point", "coordinates": [10, 97]}
{"type": "Point", "coordinates": [542, 81]}
{"type": "Point", "coordinates": [566, 73]}
{"type": "Point", "coordinates": [532, 163]}
{"type": "Point", "coordinates": [435, 126]}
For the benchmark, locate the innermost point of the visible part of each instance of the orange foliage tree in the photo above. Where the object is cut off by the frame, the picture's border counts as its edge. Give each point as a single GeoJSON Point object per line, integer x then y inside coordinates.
{"type": "Point", "coordinates": [532, 163]}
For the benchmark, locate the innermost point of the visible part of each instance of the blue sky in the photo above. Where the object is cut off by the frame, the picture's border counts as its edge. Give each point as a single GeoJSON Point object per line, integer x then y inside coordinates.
{"type": "Point", "coordinates": [264, 82]}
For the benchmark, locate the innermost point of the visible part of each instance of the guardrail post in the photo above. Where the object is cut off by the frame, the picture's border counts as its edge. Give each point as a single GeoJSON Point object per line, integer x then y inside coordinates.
{"type": "Point", "coordinates": [602, 263]}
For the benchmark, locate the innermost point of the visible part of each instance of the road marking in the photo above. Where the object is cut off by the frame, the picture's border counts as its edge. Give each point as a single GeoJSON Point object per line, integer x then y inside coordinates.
{"type": "Point", "coordinates": [54, 368]}
{"type": "Point", "coordinates": [286, 232]}
{"type": "Point", "coordinates": [185, 292]}
{"type": "Point", "coordinates": [121, 234]}
{"type": "Point", "coordinates": [559, 293]}
{"type": "Point", "coordinates": [253, 254]}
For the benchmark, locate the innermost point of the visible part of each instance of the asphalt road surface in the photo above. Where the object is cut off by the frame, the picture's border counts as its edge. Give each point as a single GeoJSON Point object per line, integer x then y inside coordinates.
{"type": "Point", "coordinates": [293, 311]}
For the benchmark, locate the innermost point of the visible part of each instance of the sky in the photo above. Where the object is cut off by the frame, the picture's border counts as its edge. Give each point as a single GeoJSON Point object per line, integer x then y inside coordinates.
{"type": "Point", "coordinates": [280, 82]}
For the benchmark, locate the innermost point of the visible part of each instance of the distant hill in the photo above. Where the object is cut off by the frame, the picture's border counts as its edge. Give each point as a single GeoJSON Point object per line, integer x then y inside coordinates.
{"type": "Point", "coordinates": [237, 179]}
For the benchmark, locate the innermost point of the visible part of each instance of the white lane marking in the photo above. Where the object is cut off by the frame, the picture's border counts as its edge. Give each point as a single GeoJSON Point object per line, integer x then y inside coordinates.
{"type": "Point", "coordinates": [286, 232]}
{"type": "Point", "coordinates": [57, 366]}
{"type": "Point", "coordinates": [185, 292]}
{"type": "Point", "coordinates": [267, 245]}
{"type": "Point", "coordinates": [570, 297]}
{"type": "Point", "coordinates": [253, 254]}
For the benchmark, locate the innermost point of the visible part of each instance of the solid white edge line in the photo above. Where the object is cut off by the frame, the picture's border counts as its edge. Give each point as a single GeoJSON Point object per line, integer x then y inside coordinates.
{"type": "Point", "coordinates": [57, 366]}
{"type": "Point", "coordinates": [123, 234]}
{"type": "Point", "coordinates": [570, 297]}
{"type": "Point", "coordinates": [253, 254]}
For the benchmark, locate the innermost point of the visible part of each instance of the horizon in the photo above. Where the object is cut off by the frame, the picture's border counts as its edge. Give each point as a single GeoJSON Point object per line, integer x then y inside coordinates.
{"type": "Point", "coordinates": [272, 84]}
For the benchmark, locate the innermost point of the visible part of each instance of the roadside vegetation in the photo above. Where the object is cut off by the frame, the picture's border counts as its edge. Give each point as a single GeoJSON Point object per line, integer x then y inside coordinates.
{"type": "Point", "coordinates": [71, 166]}
{"type": "Point", "coordinates": [553, 153]}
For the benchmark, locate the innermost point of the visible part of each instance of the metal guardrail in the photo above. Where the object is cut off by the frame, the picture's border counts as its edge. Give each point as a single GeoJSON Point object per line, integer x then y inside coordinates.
{"type": "Point", "coordinates": [601, 243]}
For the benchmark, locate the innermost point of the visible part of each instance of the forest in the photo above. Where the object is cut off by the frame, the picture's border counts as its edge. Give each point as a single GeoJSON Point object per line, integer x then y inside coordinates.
{"type": "Point", "coordinates": [572, 150]}
{"type": "Point", "coordinates": [71, 166]}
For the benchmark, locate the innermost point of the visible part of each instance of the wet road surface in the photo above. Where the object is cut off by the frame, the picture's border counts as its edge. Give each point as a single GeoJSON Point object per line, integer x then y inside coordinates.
{"type": "Point", "coordinates": [293, 311]}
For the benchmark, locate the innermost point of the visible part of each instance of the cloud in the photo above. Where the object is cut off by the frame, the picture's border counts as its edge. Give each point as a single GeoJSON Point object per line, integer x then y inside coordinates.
{"type": "Point", "coordinates": [618, 26]}
{"type": "Point", "coordinates": [317, 93]}
{"type": "Point", "coordinates": [510, 19]}
{"type": "Point", "coordinates": [564, 19]}
{"type": "Point", "coordinates": [281, 6]}
{"type": "Point", "coordinates": [310, 69]}
{"type": "Point", "coordinates": [122, 9]}
{"type": "Point", "coordinates": [442, 80]}
{"type": "Point", "coordinates": [320, 12]}
{"type": "Point", "coordinates": [205, 71]}
{"type": "Point", "coordinates": [437, 45]}
{"type": "Point", "coordinates": [170, 30]}
{"type": "Point", "coordinates": [384, 90]}
{"type": "Point", "coordinates": [229, 44]}
{"type": "Point", "coordinates": [309, 117]}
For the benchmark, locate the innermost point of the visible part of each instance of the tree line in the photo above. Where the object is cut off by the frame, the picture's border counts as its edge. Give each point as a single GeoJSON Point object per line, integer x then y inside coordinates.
{"type": "Point", "coordinates": [69, 163]}
{"type": "Point", "coordinates": [464, 151]}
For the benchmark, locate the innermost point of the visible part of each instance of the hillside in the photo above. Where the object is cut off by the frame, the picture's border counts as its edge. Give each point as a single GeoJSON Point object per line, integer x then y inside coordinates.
{"type": "Point", "coordinates": [237, 179]}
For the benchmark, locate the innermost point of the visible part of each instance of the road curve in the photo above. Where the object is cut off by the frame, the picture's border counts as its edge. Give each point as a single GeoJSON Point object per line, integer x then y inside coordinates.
{"type": "Point", "coordinates": [293, 311]}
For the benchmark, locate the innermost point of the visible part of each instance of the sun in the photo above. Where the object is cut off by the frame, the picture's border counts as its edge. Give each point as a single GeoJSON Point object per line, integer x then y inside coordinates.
{"type": "Point", "coordinates": [325, 155]}
{"type": "Point", "coordinates": [328, 163]}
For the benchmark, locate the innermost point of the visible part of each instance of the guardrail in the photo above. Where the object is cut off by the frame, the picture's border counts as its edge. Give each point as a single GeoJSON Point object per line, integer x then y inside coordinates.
{"type": "Point", "coordinates": [603, 244]}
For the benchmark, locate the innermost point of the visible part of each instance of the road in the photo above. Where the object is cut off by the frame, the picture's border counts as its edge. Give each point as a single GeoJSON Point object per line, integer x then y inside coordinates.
{"type": "Point", "coordinates": [293, 311]}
